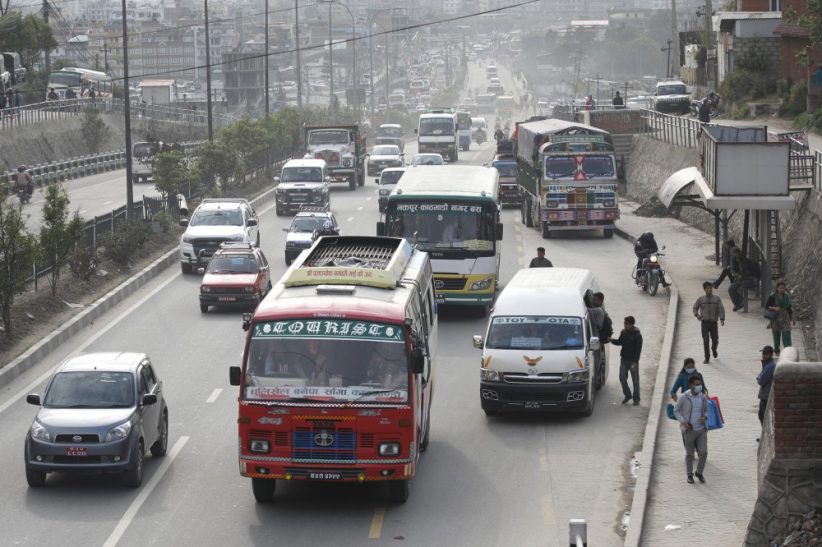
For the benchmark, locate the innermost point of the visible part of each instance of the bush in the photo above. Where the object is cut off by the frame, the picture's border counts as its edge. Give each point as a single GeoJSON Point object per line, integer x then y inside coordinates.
{"type": "Point", "coordinates": [795, 102]}
{"type": "Point", "coordinates": [741, 85]}
{"type": "Point", "coordinates": [165, 220]}
{"type": "Point", "coordinates": [812, 121]}
{"type": "Point", "coordinates": [783, 87]}
{"type": "Point", "coordinates": [83, 263]}
{"type": "Point", "coordinates": [740, 111]}
{"type": "Point", "coordinates": [126, 239]}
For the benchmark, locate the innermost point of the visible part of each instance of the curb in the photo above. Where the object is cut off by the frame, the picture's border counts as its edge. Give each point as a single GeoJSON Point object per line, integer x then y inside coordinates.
{"type": "Point", "coordinates": [639, 501]}
{"type": "Point", "coordinates": [55, 338]}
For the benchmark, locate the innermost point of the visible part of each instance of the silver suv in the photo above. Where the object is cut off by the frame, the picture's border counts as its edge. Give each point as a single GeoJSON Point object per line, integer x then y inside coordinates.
{"type": "Point", "coordinates": [301, 182]}
{"type": "Point", "coordinates": [100, 412]}
{"type": "Point", "coordinates": [214, 222]}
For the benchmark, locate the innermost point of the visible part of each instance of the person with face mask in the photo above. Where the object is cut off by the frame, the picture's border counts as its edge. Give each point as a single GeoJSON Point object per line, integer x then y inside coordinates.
{"type": "Point", "coordinates": [691, 410]}
{"type": "Point", "coordinates": [681, 384]}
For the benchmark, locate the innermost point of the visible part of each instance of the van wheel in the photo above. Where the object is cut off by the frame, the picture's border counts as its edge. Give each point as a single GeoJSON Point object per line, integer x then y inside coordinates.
{"type": "Point", "coordinates": [203, 308]}
{"type": "Point", "coordinates": [399, 490]}
{"type": "Point", "coordinates": [424, 441]}
{"type": "Point", "coordinates": [589, 410]}
{"type": "Point", "coordinates": [263, 489]}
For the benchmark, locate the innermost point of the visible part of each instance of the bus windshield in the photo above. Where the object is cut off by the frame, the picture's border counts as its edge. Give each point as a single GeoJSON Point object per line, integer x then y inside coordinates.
{"type": "Point", "coordinates": [535, 332]}
{"type": "Point", "coordinates": [444, 226]}
{"type": "Point", "coordinates": [68, 79]}
{"type": "Point", "coordinates": [328, 360]}
{"type": "Point", "coordinates": [571, 167]}
{"type": "Point", "coordinates": [436, 127]}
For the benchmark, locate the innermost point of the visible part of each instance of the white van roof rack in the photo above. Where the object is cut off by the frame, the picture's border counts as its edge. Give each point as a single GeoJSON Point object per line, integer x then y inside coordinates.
{"type": "Point", "coordinates": [352, 260]}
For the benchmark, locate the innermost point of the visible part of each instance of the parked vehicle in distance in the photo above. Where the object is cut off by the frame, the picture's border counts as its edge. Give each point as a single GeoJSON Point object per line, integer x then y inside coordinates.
{"type": "Point", "coordinates": [671, 97]}
{"type": "Point", "coordinates": [99, 412]}
{"type": "Point", "coordinates": [382, 156]}
{"type": "Point", "coordinates": [238, 275]}
{"type": "Point", "coordinates": [427, 159]}
{"type": "Point", "coordinates": [390, 133]}
{"type": "Point", "coordinates": [388, 180]}
{"type": "Point", "coordinates": [307, 226]}
{"type": "Point", "coordinates": [301, 182]}
{"type": "Point", "coordinates": [215, 221]}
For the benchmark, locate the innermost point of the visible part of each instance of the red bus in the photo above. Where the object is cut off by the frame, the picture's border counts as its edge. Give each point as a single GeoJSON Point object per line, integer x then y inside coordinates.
{"type": "Point", "coordinates": [338, 368]}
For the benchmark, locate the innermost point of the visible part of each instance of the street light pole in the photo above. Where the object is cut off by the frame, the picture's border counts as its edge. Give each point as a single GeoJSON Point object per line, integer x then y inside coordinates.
{"type": "Point", "coordinates": [127, 121]}
{"type": "Point", "coordinates": [330, 62]}
{"type": "Point", "coordinates": [267, 110]}
{"type": "Point", "coordinates": [208, 73]}
{"type": "Point", "coordinates": [371, 53]}
{"type": "Point", "coordinates": [297, 51]}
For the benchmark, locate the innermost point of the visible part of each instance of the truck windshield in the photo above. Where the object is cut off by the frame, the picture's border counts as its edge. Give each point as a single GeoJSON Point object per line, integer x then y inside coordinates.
{"type": "Point", "coordinates": [302, 174]}
{"type": "Point", "coordinates": [506, 169]}
{"type": "Point", "coordinates": [535, 332]}
{"type": "Point", "coordinates": [328, 137]}
{"type": "Point", "coordinates": [436, 127]}
{"type": "Point", "coordinates": [577, 167]}
{"type": "Point", "coordinates": [393, 132]}
{"type": "Point", "coordinates": [328, 360]}
{"type": "Point", "coordinates": [444, 226]}
{"type": "Point", "coordinates": [672, 90]}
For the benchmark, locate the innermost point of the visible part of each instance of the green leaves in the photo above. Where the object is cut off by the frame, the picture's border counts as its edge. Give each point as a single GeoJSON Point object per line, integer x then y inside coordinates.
{"type": "Point", "coordinates": [58, 234]}
{"type": "Point", "coordinates": [94, 130]}
{"type": "Point", "coordinates": [17, 251]}
{"type": "Point", "coordinates": [27, 35]}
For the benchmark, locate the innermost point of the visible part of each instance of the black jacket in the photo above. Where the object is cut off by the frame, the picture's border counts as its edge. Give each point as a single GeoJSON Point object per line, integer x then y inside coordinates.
{"type": "Point", "coordinates": [704, 113]}
{"type": "Point", "coordinates": [631, 342]}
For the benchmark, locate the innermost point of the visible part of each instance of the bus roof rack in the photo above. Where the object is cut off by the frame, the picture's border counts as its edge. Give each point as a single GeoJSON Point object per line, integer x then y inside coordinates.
{"type": "Point", "coordinates": [314, 208]}
{"type": "Point", "coordinates": [352, 260]}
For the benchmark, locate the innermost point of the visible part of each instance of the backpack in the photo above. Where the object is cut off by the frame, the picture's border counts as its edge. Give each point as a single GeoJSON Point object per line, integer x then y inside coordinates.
{"type": "Point", "coordinates": [607, 329]}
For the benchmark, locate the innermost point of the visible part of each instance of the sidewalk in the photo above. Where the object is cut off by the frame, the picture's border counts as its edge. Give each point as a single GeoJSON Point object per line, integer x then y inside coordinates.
{"type": "Point", "coordinates": [715, 513]}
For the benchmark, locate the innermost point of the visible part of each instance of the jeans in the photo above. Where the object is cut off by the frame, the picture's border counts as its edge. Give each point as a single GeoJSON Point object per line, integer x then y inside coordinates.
{"type": "Point", "coordinates": [695, 441]}
{"type": "Point", "coordinates": [735, 290]}
{"type": "Point", "coordinates": [726, 272]}
{"type": "Point", "coordinates": [785, 335]}
{"type": "Point", "coordinates": [625, 365]}
{"type": "Point", "coordinates": [709, 330]}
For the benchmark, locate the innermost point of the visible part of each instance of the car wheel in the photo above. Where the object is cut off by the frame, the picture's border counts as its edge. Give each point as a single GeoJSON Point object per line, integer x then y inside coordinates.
{"type": "Point", "coordinates": [399, 490]}
{"type": "Point", "coordinates": [279, 212]}
{"type": "Point", "coordinates": [134, 476]}
{"type": "Point", "coordinates": [203, 308]}
{"type": "Point", "coordinates": [185, 268]}
{"type": "Point", "coordinates": [35, 478]}
{"type": "Point", "coordinates": [263, 489]}
{"type": "Point", "coordinates": [159, 448]}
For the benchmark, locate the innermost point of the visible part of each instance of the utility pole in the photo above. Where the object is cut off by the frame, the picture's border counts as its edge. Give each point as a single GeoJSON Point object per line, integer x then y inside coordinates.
{"type": "Point", "coordinates": [330, 62]}
{"type": "Point", "coordinates": [267, 50]}
{"type": "Point", "coordinates": [668, 62]}
{"type": "Point", "coordinates": [297, 51]}
{"type": "Point", "coordinates": [105, 57]}
{"type": "Point", "coordinates": [47, 53]}
{"type": "Point", "coordinates": [387, 71]}
{"type": "Point", "coordinates": [127, 121]}
{"type": "Point", "coordinates": [674, 36]}
{"type": "Point", "coordinates": [447, 65]}
{"type": "Point", "coordinates": [709, 66]}
{"type": "Point", "coordinates": [208, 73]}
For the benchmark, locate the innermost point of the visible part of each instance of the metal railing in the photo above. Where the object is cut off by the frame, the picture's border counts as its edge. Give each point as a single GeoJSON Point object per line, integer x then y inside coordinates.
{"type": "Point", "coordinates": [676, 130]}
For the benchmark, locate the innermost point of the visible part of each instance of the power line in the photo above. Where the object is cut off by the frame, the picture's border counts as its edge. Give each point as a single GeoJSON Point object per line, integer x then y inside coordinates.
{"type": "Point", "coordinates": [344, 41]}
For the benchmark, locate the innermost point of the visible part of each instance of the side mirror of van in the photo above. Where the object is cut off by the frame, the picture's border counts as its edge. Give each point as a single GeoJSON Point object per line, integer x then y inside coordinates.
{"type": "Point", "coordinates": [595, 344]}
{"type": "Point", "coordinates": [417, 361]}
{"type": "Point", "coordinates": [184, 222]}
{"type": "Point", "coordinates": [499, 231]}
{"type": "Point", "coordinates": [234, 376]}
{"type": "Point", "coordinates": [478, 341]}
{"type": "Point", "coordinates": [277, 180]}
{"type": "Point", "coordinates": [380, 228]}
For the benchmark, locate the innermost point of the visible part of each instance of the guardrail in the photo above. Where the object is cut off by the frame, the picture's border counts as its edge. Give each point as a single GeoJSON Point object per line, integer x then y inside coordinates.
{"type": "Point", "coordinates": [676, 130]}
{"type": "Point", "coordinates": [48, 111]}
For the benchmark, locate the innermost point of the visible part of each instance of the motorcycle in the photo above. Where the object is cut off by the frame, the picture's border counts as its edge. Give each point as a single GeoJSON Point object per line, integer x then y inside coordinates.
{"type": "Point", "coordinates": [649, 277]}
{"type": "Point", "coordinates": [23, 194]}
{"type": "Point", "coordinates": [713, 101]}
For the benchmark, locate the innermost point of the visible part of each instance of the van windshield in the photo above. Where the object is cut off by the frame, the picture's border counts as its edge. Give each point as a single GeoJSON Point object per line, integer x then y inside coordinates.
{"type": "Point", "coordinates": [535, 332]}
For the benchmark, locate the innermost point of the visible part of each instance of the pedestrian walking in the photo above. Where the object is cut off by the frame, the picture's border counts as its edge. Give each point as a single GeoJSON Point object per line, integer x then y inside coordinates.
{"type": "Point", "coordinates": [630, 340]}
{"type": "Point", "coordinates": [747, 273]}
{"type": "Point", "coordinates": [540, 261]}
{"type": "Point", "coordinates": [681, 383]}
{"type": "Point", "coordinates": [617, 101]}
{"type": "Point", "coordinates": [779, 303]}
{"type": "Point", "coordinates": [691, 410]}
{"type": "Point", "coordinates": [765, 379]}
{"type": "Point", "coordinates": [729, 262]}
{"type": "Point", "coordinates": [708, 309]}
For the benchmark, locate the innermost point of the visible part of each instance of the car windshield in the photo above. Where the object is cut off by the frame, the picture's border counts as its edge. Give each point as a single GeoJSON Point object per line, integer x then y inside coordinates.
{"type": "Point", "coordinates": [535, 332]}
{"type": "Point", "coordinates": [393, 132]}
{"type": "Point", "coordinates": [326, 360]}
{"type": "Point", "coordinates": [235, 264]}
{"type": "Point", "coordinates": [302, 174]}
{"type": "Point", "coordinates": [506, 169]}
{"type": "Point", "coordinates": [65, 78]}
{"type": "Point", "coordinates": [390, 177]}
{"type": "Point", "coordinates": [216, 217]}
{"type": "Point", "coordinates": [90, 389]}
{"type": "Point", "coordinates": [674, 89]}
{"type": "Point", "coordinates": [478, 124]}
{"type": "Point", "coordinates": [328, 137]}
{"type": "Point", "coordinates": [436, 126]}
{"type": "Point", "coordinates": [427, 159]}
{"type": "Point", "coordinates": [387, 150]}
{"type": "Point", "coordinates": [308, 224]}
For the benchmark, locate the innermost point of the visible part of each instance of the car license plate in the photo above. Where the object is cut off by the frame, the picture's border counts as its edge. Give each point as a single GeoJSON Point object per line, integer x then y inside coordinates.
{"type": "Point", "coordinates": [532, 404]}
{"type": "Point", "coordinates": [324, 476]}
{"type": "Point", "coordinates": [227, 299]}
{"type": "Point", "coordinates": [76, 451]}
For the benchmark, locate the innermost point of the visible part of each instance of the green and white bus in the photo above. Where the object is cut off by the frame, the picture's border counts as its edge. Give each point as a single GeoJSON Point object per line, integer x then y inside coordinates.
{"type": "Point", "coordinates": [453, 213]}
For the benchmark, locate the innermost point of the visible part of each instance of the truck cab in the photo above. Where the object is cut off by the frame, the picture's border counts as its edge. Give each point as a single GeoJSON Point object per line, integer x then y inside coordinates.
{"type": "Point", "coordinates": [343, 150]}
{"type": "Point", "coordinates": [437, 133]}
{"type": "Point", "coordinates": [390, 133]}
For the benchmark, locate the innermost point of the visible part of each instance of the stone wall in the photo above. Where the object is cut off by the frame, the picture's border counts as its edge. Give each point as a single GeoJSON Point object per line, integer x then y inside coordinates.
{"type": "Point", "coordinates": [769, 48]}
{"type": "Point", "coordinates": [790, 452]}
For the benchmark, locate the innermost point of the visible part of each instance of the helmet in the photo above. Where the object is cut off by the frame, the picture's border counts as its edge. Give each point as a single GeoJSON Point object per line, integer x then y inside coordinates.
{"type": "Point", "coordinates": [21, 168]}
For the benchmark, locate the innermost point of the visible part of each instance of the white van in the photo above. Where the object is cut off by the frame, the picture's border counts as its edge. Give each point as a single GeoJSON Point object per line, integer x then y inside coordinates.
{"type": "Point", "coordinates": [539, 352]}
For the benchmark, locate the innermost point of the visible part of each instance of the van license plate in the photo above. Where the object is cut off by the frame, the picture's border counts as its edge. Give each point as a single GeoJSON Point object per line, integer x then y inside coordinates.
{"type": "Point", "coordinates": [321, 476]}
{"type": "Point", "coordinates": [440, 298]}
{"type": "Point", "coordinates": [532, 404]}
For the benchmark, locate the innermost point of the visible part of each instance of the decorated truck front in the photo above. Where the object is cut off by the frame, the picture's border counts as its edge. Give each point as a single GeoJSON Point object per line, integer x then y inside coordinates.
{"type": "Point", "coordinates": [567, 177]}
{"type": "Point", "coordinates": [342, 148]}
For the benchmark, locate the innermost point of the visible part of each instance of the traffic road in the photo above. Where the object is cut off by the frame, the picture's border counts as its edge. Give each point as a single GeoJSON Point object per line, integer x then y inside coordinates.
{"type": "Point", "coordinates": [502, 481]}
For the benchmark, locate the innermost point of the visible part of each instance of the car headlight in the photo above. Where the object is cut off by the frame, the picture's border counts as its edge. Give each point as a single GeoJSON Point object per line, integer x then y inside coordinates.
{"type": "Point", "coordinates": [187, 239]}
{"type": "Point", "coordinates": [279, 190]}
{"type": "Point", "coordinates": [389, 449]}
{"type": "Point", "coordinates": [205, 288]}
{"type": "Point", "coordinates": [259, 446]}
{"type": "Point", "coordinates": [482, 284]}
{"type": "Point", "coordinates": [577, 376]}
{"type": "Point", "coordinates": [39, 432]}
{"type": "Point", "coordinates": [118, 433]}
{"type": "Point", "coordinates": [609, 203]}
{"type": "Point", "coordinates": [385, 192]}
{"type": "Point", "coordinates": [489, 375]}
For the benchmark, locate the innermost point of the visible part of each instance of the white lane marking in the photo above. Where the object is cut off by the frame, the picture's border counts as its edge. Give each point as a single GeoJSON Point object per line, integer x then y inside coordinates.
{"type": "Point", "coordinates": [349, 219]}
{"type": "Point", "coordinates": [145, 492]}
{"type": "Point", "coordinates": [107, 202]}
{"type": "Point", "coordinates": [359, 208]}
{"type": "Point", "coordinates": [214, 395]}
{"type": "Point", "coordinates": [368, 198]}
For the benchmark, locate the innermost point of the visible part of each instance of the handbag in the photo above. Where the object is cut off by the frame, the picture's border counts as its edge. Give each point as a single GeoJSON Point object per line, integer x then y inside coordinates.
{"type": "Point", "coordinates": [718, 407]}
{"type": "Point", "coordinates": [669, 410]}
{"type": "Point", "coordinates": [714, 420]}
{"type": "Point", "coordinates": [770, 315]}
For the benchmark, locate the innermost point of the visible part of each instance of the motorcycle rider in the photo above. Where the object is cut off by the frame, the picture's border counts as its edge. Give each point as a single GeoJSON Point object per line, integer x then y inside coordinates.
{"type": "Point", "coordinates": [704, 111]}
{"type": "Point", "coordinates": [644, 247]}
{"type": "Point", "coordinates": [499, 135]}
{"type": "Point", "coordinates": [23, 182]}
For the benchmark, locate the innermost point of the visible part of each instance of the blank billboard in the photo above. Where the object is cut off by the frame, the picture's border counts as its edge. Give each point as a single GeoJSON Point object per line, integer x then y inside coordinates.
{"type": "Point", "coordinates": [752, 169]}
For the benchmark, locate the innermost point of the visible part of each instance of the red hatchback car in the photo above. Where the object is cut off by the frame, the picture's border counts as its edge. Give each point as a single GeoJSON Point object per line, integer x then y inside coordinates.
{"type": "Point", "coordinates": [238, 275]}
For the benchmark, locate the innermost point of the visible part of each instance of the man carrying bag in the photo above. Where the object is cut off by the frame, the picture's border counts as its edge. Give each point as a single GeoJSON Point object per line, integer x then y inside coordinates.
{"type": "Point", "coordinates": [691, 411]}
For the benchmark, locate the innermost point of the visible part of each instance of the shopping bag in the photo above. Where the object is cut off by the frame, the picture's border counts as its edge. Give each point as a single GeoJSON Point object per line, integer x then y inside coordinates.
{"type": "Point", "coordinates": [714, 421]}
{"type": "Point", "coordinates": [669, 410]}
{"type": "Point", "coordinates": [719, 408]}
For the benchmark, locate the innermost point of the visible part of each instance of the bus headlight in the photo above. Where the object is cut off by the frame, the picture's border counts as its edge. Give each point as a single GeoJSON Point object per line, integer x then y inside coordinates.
{"type": "Point", "coordinates": [389, 449]}
{"type": "Point", "coordinates": [490, 375]}
{"type": "Point", "coordinates": [258, 446]}
{"type": "Point", "coordinates": [577, 376]}
{"type": "Point", "coordinates": [553, 204]}
{"type": "Point", "coordinates": [482, 284]}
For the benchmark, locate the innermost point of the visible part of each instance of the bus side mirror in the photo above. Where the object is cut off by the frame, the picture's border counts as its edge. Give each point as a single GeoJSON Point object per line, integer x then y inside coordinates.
{"type": "Point", "coordinates": [234, 376]}
{"type": "Point", "coordinates": [380, 228]}
{"type": "Point", "coordinates": [499, 231]}
{"type": "Point", "coordinates": [417, 361]}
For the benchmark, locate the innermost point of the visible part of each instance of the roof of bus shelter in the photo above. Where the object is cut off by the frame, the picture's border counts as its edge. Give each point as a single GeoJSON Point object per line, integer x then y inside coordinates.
{"type": "Point", "coordinates": [689, 185]}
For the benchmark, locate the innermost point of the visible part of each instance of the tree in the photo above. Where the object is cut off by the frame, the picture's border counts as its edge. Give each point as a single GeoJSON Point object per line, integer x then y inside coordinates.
{"type": "Point", "coordinates": [171, 174]}
{"type": "Point", "coordinates": [17, 251]}
{"type": "Point", "coordinates": [810, 20]}
{"type": "Point", "coordinates": [218, 164]}
{"type": "Point", "coordinates": [58, 235]}
{"type": "Point", "coordinates": [94, 130]}
{"type": "Point", "coordinates": [27, 35]}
